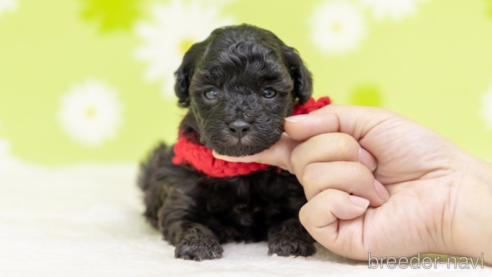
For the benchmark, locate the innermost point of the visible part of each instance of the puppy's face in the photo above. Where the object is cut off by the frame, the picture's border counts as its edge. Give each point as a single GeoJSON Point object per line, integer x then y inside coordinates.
{"type": "Point", "coordinates": [240, 84]}
{"type": "Point", "coordinates": [240, 97]}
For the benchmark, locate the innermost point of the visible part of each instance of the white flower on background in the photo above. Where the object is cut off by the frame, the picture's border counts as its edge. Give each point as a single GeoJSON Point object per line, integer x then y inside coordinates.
{"type": "Point", "coordinates": [395, 10]}
{"type": "Point", "coordinates": [91, 113]}
{"type": "Point", "coordinates": [486, 111]}
{"type": "Point", "coordinates": [173, 29]}
{"type": "Point", "coordinates": [7, 6]}
{"type": "Point", "coordinates": [337, 27]}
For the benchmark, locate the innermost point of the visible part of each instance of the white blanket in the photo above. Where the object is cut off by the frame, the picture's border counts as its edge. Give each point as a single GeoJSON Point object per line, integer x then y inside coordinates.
{"type": "Point", "coordinates": [86, 221]}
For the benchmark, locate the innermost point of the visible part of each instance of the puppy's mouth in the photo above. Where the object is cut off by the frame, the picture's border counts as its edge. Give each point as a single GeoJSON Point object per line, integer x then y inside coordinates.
{"type": "Point", "coordinates": [240, 150]}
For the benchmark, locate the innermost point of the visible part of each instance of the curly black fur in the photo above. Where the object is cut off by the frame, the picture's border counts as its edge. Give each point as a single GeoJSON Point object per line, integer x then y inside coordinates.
{"type": "Point", "coordinates": [196, 212]}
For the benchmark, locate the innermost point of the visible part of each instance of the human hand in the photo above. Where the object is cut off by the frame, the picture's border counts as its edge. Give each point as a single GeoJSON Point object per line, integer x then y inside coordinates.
{"type": "Point", "coordinates": [440, 197]}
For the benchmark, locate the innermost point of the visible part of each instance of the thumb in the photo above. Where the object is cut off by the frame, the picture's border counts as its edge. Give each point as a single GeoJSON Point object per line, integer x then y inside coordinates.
{"type": "Point", "coordinates": [335, 219]}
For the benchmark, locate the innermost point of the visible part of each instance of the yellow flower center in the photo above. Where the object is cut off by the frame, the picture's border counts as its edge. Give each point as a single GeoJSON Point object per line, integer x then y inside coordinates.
{"type": "Point", "coordinates": [90, 112]}
{"type": "Point", "coordinates": [336, 27]}
{"type": "Point", "coordinates": [185, 45]}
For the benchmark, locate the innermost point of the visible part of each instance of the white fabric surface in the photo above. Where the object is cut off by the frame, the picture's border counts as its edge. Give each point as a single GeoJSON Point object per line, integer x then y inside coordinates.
{"type": "Point", "coordinates": [86, 221]}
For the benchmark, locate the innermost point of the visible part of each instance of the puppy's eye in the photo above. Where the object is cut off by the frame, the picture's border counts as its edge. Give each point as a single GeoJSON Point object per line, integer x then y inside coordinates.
{"type": "Point", "coordinates": [211, 94]}
{"type": "Point", "coordinates": [269, 93]}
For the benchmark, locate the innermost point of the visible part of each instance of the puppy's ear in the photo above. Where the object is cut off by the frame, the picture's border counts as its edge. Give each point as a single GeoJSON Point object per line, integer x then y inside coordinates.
{"type": "Point", "coordinates": [184, 74]}
{"type": "Point", "coordinates": [303, 82]}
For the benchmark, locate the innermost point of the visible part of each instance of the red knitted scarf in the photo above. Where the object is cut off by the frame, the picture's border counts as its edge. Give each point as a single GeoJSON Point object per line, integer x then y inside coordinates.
{"type": "Point", "coordinates": [201, 158]}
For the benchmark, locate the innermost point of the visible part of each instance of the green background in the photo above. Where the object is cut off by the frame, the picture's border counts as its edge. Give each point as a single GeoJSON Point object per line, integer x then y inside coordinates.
{"type": "Point", "coordinates": [434, 67]}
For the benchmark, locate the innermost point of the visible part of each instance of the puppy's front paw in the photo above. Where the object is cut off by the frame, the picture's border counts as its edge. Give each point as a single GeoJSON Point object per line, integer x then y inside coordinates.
{"type": "Point", "coordinates": [196, 248]}
{"type": "Point", "coordinates": [292, 247]}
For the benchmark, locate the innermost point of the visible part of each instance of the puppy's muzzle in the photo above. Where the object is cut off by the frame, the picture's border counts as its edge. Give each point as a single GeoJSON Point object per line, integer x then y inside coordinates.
{"type": "Point", "coordinates": [239, 128]}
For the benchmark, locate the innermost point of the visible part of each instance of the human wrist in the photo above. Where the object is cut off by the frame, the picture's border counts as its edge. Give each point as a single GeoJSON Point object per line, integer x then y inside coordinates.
{"type": "Point", "coordinates": [471, 223]}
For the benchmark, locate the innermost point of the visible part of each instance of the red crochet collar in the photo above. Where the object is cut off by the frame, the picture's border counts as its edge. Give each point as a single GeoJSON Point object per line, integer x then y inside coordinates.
{"type": "Point", "coordinates": [201, 158]}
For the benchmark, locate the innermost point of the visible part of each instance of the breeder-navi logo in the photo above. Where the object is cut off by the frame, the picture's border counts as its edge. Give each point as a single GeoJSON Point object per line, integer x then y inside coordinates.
{"type": "Point", "coordinates": [426, 262]}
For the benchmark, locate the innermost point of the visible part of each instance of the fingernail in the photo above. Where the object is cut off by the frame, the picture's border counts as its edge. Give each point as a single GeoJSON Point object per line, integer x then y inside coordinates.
{"type": "Point", "coordinates": [381, 191]}
{"type": "Point", "coordinates": [366, 159]}
{"type": "Point", "coordinates": [359, 201]}
{"type": "Point", "coordinates": [297, 118]}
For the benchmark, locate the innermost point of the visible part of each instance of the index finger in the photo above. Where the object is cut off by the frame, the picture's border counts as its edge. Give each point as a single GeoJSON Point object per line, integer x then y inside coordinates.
{"type": "Point", "coordinates": [277, 155]}
{"type": "Point", "coordinates": [355, 121]}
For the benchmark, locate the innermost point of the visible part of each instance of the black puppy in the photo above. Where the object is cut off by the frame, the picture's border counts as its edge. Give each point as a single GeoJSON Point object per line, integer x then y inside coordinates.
{"type": "Point", "coordinates": [239, 85]}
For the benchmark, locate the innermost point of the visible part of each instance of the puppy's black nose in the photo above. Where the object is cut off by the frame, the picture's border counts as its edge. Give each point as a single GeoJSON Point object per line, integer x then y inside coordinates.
{"type": "Point", "coordinates": [240, 128]}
